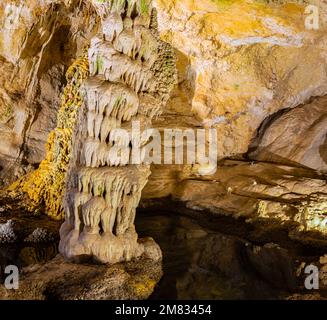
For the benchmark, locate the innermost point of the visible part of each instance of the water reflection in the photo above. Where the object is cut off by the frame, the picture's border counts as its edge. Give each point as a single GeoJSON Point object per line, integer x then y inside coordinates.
{"type": "Point", "coordinates": [200, 263]}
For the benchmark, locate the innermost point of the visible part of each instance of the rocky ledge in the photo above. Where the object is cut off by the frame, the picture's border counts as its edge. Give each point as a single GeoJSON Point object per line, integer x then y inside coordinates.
{"type": "Point", "coordinates": [61, 280]}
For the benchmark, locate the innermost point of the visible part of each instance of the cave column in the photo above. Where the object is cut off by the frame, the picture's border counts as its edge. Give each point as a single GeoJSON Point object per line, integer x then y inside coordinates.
{"type": "Point", "coordinates": [131, 75]}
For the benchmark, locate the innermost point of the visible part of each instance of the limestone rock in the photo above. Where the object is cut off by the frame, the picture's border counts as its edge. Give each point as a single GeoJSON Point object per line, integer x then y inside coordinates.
{"type": "Point", "coordinates": [297, 136]}
{"type": "Point", "coordinates": [60, 280]}
{"type": "Point", "coordinates": [40, 235]}
{"type": "Point", "coordinates": [38, 40]}
{"type": "Point", "coordinates": [131, 75]}
{"type": "Point", "coordinates": [245, 61]}
{"type": "Point", "coordinates": [250, 69]}
{"type": "Point", "coordinates": [241, 70]}
{"type": "Point", "coordinates": [7, 234]}
{"type": "Point", "coordinates": [256, 191]}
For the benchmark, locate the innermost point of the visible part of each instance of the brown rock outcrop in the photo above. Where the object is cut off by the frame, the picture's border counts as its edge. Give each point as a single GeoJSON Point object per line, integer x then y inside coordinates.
{"type": "Point", "coordinates": [297, 136]}
{"type": "Point", "coordinates": [59, 280]}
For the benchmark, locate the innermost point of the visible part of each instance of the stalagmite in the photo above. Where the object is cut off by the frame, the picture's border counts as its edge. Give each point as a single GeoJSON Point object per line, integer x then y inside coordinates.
{"type": "Point", "coordinates": [131, 75]}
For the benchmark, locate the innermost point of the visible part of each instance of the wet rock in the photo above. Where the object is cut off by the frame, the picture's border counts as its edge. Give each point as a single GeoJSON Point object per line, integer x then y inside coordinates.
{"type": "Point", "coordinates": [267, 194]}
{"type": "Point", "coordinates": [217, 265]}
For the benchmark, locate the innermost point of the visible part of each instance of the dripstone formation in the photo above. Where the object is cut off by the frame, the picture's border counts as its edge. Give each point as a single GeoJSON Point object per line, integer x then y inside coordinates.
{"type": "Point", "coordinates": [131, 75]}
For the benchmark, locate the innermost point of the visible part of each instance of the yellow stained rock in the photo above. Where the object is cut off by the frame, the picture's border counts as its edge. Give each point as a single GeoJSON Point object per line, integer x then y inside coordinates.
{"type": "Point", "coordinates": [46, 185]}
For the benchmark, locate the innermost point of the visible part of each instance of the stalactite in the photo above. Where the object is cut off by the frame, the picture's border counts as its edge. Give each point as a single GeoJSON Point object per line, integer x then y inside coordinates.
{"type": "Point", "coordinates": [125, 84]}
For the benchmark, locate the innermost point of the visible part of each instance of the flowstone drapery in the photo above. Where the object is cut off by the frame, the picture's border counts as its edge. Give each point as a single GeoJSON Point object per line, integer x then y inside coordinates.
{"type": "Point", "coordinates": [131, 75]}
{"type": "Point", "coordinates": [45, 186]}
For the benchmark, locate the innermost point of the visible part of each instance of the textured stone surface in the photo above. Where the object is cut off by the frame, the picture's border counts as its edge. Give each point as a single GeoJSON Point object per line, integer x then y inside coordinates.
{"type": "Point", "coordinates": [59, 280]}
{"type": "Point", "coordinates": [131, 75]}
{"type": "Point", "coordinates": [38, 41]}
{"type": "Point", "coordinates": [241, 62]}
{"type": "Point", "coordinates": [245, 61]}
{"type": "Point", "coordinates": [250, 70]}
{"type": "Point", "coordinates": [280, 194]}
{"type": "Point", "coordinates": [297, 136]}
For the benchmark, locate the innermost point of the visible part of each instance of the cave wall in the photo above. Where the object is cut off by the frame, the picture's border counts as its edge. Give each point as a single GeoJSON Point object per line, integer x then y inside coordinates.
{"type": "Point", "coordinates": [257, 75]}
{"type": "Point", "coordinates": [251, 70]}
{"type": "Point", "coordinates": [241, 63]}
{"type": "Point", "coordinates": [38, 41]}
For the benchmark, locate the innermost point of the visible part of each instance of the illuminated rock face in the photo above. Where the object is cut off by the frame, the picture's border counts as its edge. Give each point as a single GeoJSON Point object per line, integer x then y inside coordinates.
{"type": "Point", "coordinates": [37, 47]}
{"type": "Point", "coordinates": [245, 68]}
{"type": "Point", "coordinates": [46, 185]}
{"type": "Point", "coordinates": [245, 61]}
{"type": "Point", "coordinates": [131, 75]}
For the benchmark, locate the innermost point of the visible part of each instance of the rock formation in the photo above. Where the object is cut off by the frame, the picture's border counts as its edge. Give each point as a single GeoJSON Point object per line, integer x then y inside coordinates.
{"type": "Point", "coordinates": [252, 70]}
{"type": "Point", "coordinates": [296, 136]}
{"type": "Point", "coordinates": [254, 73]}
{"type": "Point", "coordinates": [60, 280]}
{"type": "Point", "coordinates": [246, 69]}
{"type": "Point", "coordinates": [46, 185]}
{"type": "Point", "coordinates": [131, 75]}
{"type": "Point", "coordinates": [39, 40]}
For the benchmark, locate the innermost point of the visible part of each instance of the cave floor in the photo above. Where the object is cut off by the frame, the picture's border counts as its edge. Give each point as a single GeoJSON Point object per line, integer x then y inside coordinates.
{"type": "Point", "coordinates": [205, 256]}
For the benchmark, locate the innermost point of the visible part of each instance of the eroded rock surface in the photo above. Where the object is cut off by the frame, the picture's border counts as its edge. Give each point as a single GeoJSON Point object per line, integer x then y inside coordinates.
{"type": "Point", "coordinates": [59, 280]}
{"type": "Point", "coordinates": [297, 136]}
{"type": "Point", "coordinates": [131, 75]}
{"type": "Point", "coordinates": [38, 41]}
{"type": "Point", "coordinates": [242, 65]}
{"type": "Point", "coordinates": [257, 191]}
{"type": "Point", "coordinates": [244, 61]}
{"type": "Point", "coordinates": [242, 71]}
{"type": "Point", "coordinates": [247, 68]}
